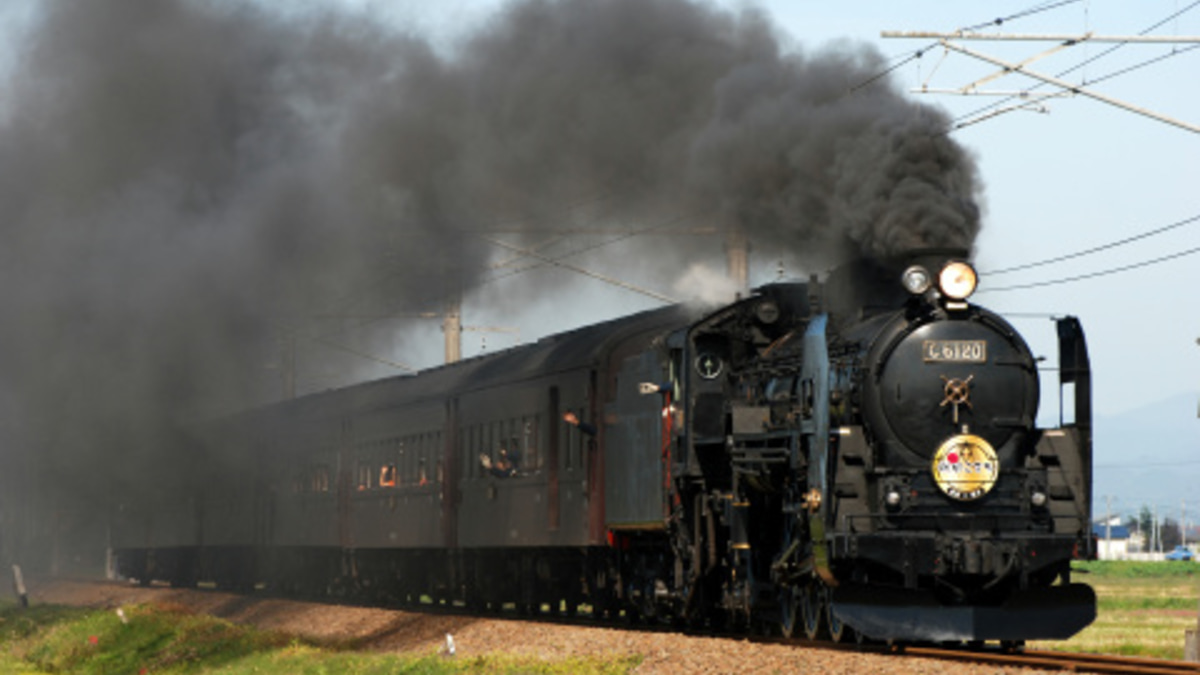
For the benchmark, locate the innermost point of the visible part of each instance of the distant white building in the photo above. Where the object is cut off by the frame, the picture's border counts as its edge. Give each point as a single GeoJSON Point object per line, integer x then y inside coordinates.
{"type": "Point", "coordinates": [1112, 541]}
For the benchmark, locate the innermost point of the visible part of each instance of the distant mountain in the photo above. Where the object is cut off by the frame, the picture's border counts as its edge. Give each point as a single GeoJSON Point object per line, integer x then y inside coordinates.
{"type": "Point", "coordinates": [1149, 456]}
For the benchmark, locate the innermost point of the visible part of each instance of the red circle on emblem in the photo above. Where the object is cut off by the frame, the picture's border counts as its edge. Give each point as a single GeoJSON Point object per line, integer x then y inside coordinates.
{"type": "Point", "coordinates": [952, 458]}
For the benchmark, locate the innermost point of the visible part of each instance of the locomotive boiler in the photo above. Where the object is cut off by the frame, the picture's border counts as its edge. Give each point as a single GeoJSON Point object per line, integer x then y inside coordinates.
{"type": "Point", "coordinates": [853, 456]}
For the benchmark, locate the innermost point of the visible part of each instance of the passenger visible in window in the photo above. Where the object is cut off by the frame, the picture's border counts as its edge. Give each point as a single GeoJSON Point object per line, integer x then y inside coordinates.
{"type": "Point", "coordinates": [573, 419]}
{"type": "Point", "coordinates": [502, 467]}
{"type": "Point", "coordinates": [513, 454]}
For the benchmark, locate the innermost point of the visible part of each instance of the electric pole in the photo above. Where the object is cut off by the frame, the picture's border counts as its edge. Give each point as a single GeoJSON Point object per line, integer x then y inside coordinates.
{"type": "Point", "coordinates": [737, 256]}
{"type": "Point", "coordinates": [1108, 525]}
{"type": "Point", "coordinates": [452, 329]}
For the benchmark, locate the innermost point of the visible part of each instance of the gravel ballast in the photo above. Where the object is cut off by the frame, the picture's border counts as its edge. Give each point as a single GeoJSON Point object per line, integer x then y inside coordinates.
{"type": "Point", "coordinates": [389, 630]}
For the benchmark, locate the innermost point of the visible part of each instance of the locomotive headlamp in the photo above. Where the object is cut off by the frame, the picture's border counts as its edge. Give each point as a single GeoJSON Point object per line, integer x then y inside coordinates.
{"type": "Point", "coordinates": [767, 312]}
{"type": "Point", "coordinates": [957, 280]}
{"type": "Point", "coordinates": [893, 498]}
{"type": "Point", "coordinates": [916, 280]}
{"type": "Point", "coordinates": [1037, 498]}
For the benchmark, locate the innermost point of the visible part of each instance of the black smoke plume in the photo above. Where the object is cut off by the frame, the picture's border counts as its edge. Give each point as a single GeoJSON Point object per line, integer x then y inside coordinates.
{"type": "Point", "coordinates": [185, 184]}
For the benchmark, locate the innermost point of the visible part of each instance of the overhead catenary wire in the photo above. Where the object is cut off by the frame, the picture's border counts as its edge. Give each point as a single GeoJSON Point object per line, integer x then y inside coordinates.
{"type": "Point", "coordinates": [544, 261]}
{"type": "Point", "coordinates": [1148, 62]}
{"type": "Point", "coordinates": [1094, 249]}
{"type": "Point", "coordinates": [1093, 275]}
{"type": "Point", "coordinates": [1139, 465]}
{"type": "Point", "coordinates": [1036, 9]}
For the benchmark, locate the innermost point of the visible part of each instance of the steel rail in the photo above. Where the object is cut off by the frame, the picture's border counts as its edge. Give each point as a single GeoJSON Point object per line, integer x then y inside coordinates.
{"type": "Point", "coordinates": [1093, 663]}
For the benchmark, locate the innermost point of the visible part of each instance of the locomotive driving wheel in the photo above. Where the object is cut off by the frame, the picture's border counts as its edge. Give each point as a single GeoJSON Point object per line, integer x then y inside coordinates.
{"type": "Point", "coordinates": [789, 610]}
{"type": "Point", "coordinates": [810, 610]}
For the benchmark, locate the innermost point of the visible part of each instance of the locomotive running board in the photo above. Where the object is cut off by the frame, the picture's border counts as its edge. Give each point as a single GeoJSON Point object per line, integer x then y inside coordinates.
{"type": "Point", "coordinates": [1054, 613]}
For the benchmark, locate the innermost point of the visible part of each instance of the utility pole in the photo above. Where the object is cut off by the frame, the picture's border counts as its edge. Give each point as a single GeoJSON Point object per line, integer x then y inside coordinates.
{"type": "Point", "coordinates": [1108, 525]}
{"type": "Point", "coordinates": [737, 257]}
{"type": "Point", "coordinates": [1156, 538]}
{"type": "Point", "coordinates": [452, 329]}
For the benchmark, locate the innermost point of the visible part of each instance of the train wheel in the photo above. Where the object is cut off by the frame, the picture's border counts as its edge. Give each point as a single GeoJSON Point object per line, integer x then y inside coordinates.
{"type": "Point", "coordinates": [789, 611]}
{"type": "Point", "coordinates": [810, 611]}
{"type": "Point", "coordinates": [838, 630]}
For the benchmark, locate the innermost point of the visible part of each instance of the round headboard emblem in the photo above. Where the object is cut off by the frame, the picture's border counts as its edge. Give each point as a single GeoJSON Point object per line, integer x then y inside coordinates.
{"type": "Point", "coordinates": [965, 467]}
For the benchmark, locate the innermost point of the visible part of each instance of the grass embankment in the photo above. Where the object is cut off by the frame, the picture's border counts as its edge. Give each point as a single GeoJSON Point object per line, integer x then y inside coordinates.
{"type": "Point", "coordinates": [1143, 608]}
{"type": "Point", "coordinates": [166, 640]}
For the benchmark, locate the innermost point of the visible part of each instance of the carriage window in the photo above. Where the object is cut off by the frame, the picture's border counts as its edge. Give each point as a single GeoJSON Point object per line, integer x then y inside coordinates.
{"type": "Point", "coordinates": [320, 478]}
{"type": "Point", "coordinates": [364, 477]}
{"type": "Point", "coordinates": [567, 434]}
{"type": "Point", "coordinates": [529, 445]}
{"type": "Point", "coordinates": [401, 469]}
{"type": "Point", "coordinates": [516, 454]}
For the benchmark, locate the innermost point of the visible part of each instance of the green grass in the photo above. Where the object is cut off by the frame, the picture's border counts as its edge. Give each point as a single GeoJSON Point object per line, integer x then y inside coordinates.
{"type": "Point", "coordinates": [1129, 569]}
{"type": "Point", "coordinates": [171, 640]}
{"type": "Point", "coordinates": [1143, 608]}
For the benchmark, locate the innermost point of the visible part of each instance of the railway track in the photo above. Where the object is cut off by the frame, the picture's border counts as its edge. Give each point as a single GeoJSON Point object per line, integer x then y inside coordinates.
{"type": "Point", "coordinates": [1047, 660]}
{"type": "Point", "coordinates": [1035, 659]}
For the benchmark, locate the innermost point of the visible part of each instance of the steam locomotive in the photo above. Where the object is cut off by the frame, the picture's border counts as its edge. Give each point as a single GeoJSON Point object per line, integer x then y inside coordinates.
{"type": "Point", "coordinates": [848, 457]}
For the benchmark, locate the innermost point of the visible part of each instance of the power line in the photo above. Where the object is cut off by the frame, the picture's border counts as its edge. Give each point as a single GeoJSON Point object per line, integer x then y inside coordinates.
{"type": "Point", "coordinates": [1143, 64]}
{"type": "Point", "coordinates": [579, 270]}
{"type": "Point", "coordinates": [544, 261]}
{"type": "Point", "coordinates": [1036, 9]}
{"type": "Point", "coordinates": [1092, 275]}
{"type": "Point", "coordinates": [1139, 465]}
{"type": "Point", "coordinates": [912, 56]}
{"type": "Point", "coordinates": [1096, 249]}
{"type": "Point", "coordinates": [296, 331]}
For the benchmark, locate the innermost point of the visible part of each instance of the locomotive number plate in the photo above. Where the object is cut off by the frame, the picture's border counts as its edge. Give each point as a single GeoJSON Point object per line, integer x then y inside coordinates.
{"type": "Point", "coordinates": [955, 351]}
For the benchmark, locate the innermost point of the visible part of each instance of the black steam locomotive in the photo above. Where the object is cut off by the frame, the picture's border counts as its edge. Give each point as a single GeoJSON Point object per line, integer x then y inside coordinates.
{"type": "Point", "coordinates": [854, 456]}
